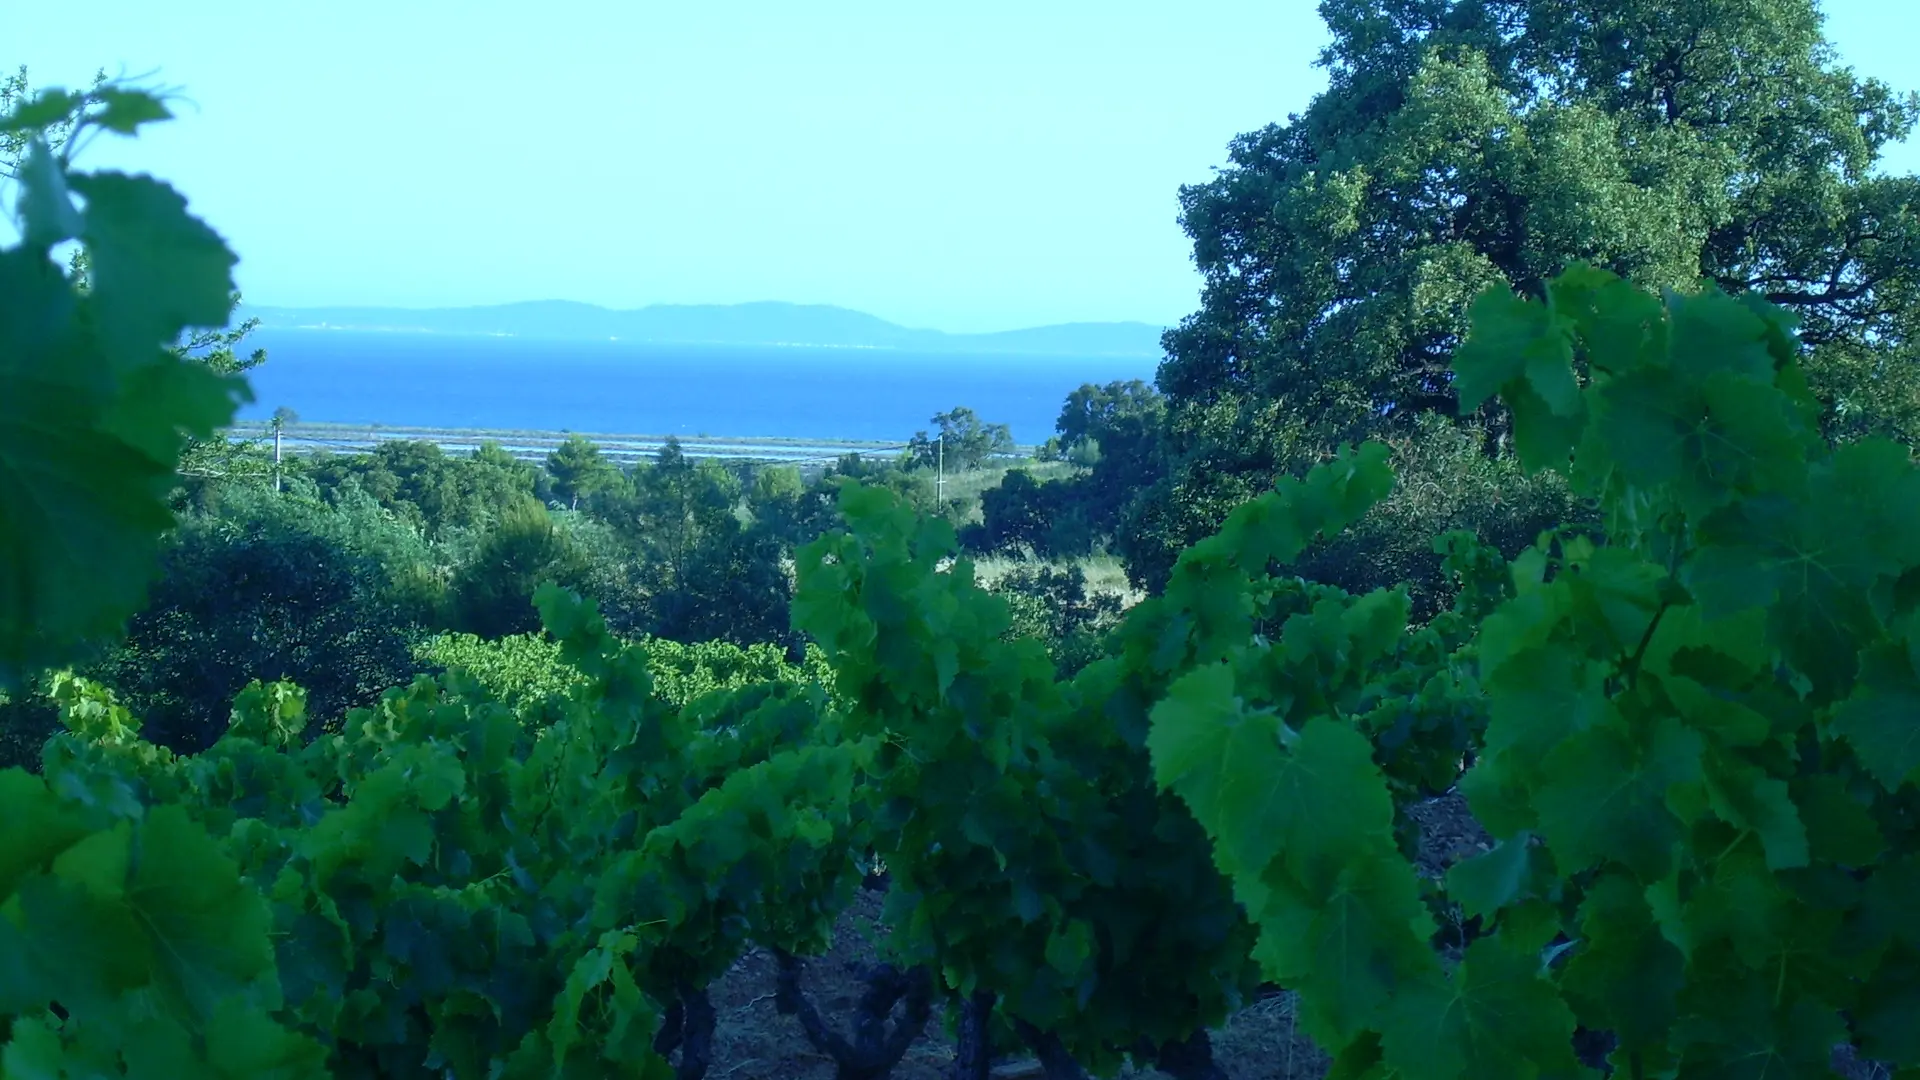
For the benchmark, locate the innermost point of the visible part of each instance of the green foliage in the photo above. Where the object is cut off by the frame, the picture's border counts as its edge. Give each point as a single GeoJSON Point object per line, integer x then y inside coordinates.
{"type": "Point", "coordinates": [272, 586]}
{"type": "Point", "coordinates": [704, 572]}
{"type": "Point", "coordinates": [1691, 729]}
{"type": "Point", "coordinates": [682, 672]}
{"type": "Point", "coordinates": [1118, 433]}
{"type": "Point", "coordinates": [579, 470]}
{"type": "Point", "coordinates": [614, 578]}
{"type": "Point", "coordinates": [96, 408]}
{"type": "Point", "coordinates": [518, 670]}
{"type": "Point", "coordinates": [1119, 412]}
{"type": "Point", "coordinates": [1443, 482]}
{"type": "Point", "coordinates": [1869, 392]}
{"type": "Point", "coordinates": [438, 494]}
{"type": "Point", "coordinates": [900, 477]}
{"type": "Point", "coordinates": [1693, 749]}
{"type": "Point", "coordinates": [205, 460]}
{"type": "Point", "coordinates": [525, 669]}
{"type": "Point", "coordinates": [1020, 512]}
{"type": "Point", "coordinates": [961, 442]}
{"type": "Point", "coordinates": [1055, 605]}
{"type": "Point", "coordinates": [28, 718]}
{"type": "Point", "coordinates": [133, 945]}
{"type": "Point", "coordinates": [1299, 723]}
{"type": "Point", "coordinates": [55, 117]}
{"type": "Point", "coordinates": [783, 507]}
{"type": "Point", "coordinates": [1115, 434]}
{"type": "Point", "coordinates": [458, 888]}
{"type": "Point", "coordinates": [492, 591]}
{"type": "Point", "coordinates": [1032, 860]}
{"type": "Point", "coordinates": [1468, 143]}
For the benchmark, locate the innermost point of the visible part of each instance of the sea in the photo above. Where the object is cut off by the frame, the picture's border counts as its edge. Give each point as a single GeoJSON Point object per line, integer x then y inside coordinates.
{"type": "Point", "coordinates": [786, 392]}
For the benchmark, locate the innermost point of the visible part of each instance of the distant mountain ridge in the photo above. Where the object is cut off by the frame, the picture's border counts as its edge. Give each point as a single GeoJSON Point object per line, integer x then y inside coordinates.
{"type": "Point", "coordinates": [766, 323]}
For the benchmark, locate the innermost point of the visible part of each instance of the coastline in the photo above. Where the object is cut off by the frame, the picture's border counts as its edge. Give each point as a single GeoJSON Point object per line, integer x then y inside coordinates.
{"type": "Point", "coordinates": [534, 444]}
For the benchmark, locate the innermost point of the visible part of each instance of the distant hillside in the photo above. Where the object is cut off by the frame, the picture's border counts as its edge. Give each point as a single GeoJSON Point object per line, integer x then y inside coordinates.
{"type": "Point", "coordinates": [715, 324]}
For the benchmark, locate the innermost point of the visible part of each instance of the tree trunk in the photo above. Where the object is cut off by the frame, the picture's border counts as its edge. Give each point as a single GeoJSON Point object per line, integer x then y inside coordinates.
{"type": "Point", "coordinates": [688, 1027]}
{"type": "Point", "coordinates": [875, 1048]}
{"type": "Point", "coordinates": [1055, 1062]}
{"type": "Point", "coordinates": [696, 1051]}
{"type": "Point", "coordinates": [973, 1054]}
{"type": "Point", "coordinates": [672, 1029]}
{"type": "Point", "coordinates": [1191, 1059]}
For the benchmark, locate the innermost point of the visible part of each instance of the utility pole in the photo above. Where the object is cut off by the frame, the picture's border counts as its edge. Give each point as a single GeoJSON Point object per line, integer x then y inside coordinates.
{"type": "Point", "coordinates": [281, 417]}
{"type": "Point", "coordinates": [940, 474]}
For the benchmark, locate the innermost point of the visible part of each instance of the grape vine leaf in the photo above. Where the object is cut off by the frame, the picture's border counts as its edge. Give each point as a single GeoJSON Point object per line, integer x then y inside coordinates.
{"type": "Point", "coordinates": [1744, 796]}
{"type": "Point", "coordinates": [50, 108]}
{"type": "Point", "coordinates": [38, 827]}
{"type": "Point", "coordinates": [1309, 805]}
{"type": "Point", "coordinates": [124, 110]}
{"type": "Point", "coordinates": [156, 269]}
{"type": "Point", "coordinates": [95, 409]}
{"type": "Point", "coordinates": [1496, 1017]}
{"type": "Point", "coordinates": [1879, 719]}
{"type": "Point", "coordinates": [1601, 800]}
{"type": "Point", "coordinates": [1493, 879]}
{"type": "Point", "coordinates": [1624, 970]}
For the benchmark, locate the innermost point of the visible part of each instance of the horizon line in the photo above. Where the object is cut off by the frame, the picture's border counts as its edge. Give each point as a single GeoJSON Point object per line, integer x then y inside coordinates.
{"type": "Point", "coordinates": [1163, 326]}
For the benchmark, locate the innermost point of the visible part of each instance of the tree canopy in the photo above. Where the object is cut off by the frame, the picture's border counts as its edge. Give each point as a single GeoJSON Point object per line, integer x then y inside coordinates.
{"type": "Point", "coordinates": [1463, 143]}
{"type": "Point", "coordinates": [579, 469]}
{"type": "Point", "coordinates": [963, 441]}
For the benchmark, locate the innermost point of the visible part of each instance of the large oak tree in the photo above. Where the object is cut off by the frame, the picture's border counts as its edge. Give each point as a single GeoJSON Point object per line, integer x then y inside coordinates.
{"type": "Point", "coordinates": [1463, 143]}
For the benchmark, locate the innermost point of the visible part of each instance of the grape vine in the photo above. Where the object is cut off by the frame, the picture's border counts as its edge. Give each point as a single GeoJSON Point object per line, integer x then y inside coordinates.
{"type": "Point", "coordinates": [1699, 738]}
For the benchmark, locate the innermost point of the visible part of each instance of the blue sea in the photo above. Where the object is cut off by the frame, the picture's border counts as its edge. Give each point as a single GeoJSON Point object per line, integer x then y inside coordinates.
{"type": "Point", "coordinates": [420, 380]}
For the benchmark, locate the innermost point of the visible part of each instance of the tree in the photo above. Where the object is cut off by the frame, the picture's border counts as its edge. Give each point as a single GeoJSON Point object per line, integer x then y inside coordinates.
{"type": "Point", "coordinates": [679, 506]}
{"type": "Point", "coordinates": [962, 442]}
{"type": "Point", "coordinates": [1114, 413]}
{"type": "Point", "coordinates": [422, 484]}
{"type": "Point", "coordinates": [1463, 143]}
{"type": "Point", "coordinates": [493, 455]}
{"type": "Point", "coordinates": [789, 510]}
{"type": "Point", "coordinates": [492, 592]}
{"type": "Point", "coordinates": [778, 506]}
{"type": "Point", "coordinates": [1015, 512]}
{"type": "Point", "coordinates": [578, 469]}
{"type": "Point", "coordinates": [1055, 605]}
{"type": "Point", "coordinates": [1116, 432]}
{"type": "Point", "coordinates": [704, 573]}
{"type": "Point", "coordinates": [271, 587]}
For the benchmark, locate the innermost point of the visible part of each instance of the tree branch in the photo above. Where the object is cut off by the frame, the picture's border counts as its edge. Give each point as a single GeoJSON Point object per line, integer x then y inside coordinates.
{"type": "Point", "coordinates": [875, 1048]}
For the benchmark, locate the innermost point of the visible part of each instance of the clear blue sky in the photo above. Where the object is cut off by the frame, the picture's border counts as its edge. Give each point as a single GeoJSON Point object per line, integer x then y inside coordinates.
{"type": "Point", "coordinates": [976, 166]}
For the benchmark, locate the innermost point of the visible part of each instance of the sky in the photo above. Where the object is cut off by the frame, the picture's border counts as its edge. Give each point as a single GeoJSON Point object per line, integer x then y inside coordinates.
{"type": "Point", "coordinates": [962, 167]}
